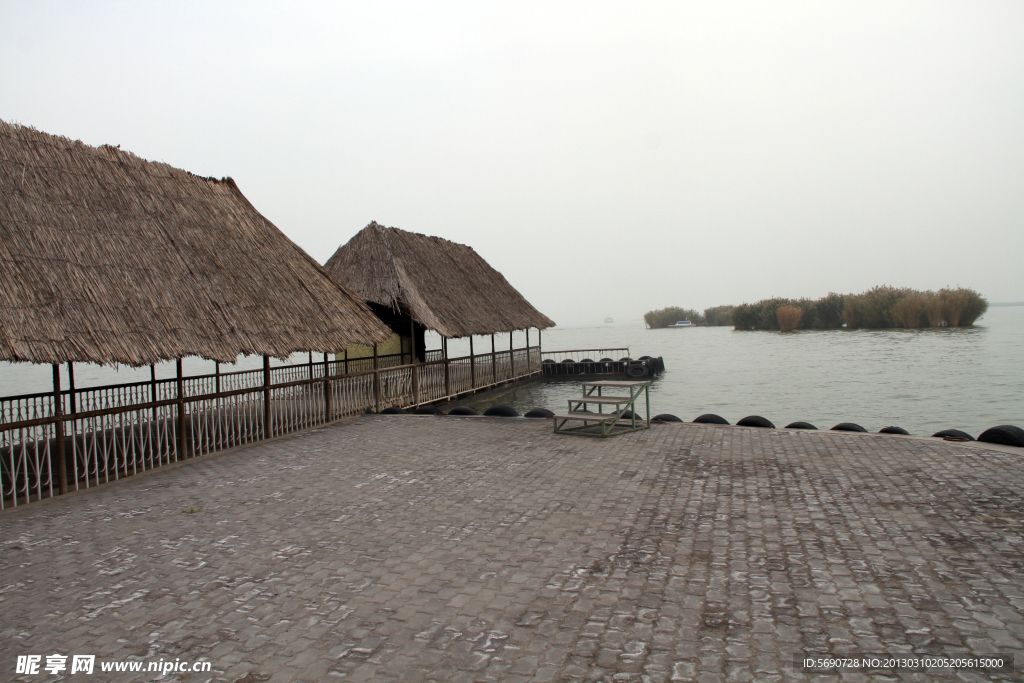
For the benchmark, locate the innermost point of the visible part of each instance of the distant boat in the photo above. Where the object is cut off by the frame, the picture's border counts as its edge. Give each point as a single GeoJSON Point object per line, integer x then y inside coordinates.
{"type": "Point", "coordinates": [682, 323]}
{"type": "Point", "coordinates": [609, 319]}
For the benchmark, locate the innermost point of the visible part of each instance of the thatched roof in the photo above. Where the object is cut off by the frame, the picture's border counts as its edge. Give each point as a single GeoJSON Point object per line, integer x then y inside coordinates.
{"type": "Point", "coordinates": [109, 258]}
{"type": "Point", "coordinates": [445, 286]}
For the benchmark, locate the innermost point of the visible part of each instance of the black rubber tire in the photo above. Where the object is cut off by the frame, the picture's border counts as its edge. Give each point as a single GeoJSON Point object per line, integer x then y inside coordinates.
{"type": "Point", "coordinates": [394, 410]}
{"type": "Point", "coordinates": [587, 360]}
{"type": "Point", "coordinates": [462, 410]}
{"type": "Point", "coordinates": [568, 360]}
{"type": "Point", "coordinates": [800, 425]}
{"type": "Point", "coordinates": [627, 359]}
{"type": "Point", "coordinates": [659, 364]}
{"type": "Point", "coordinates": [428, 410]}
{"type": "Point", "coordinates": [627, 415]}
{"type": "Point", "coordinates": [539, 412]}
{"type": "Point", "coordinates": [755, 421]}
{"type": "Point", "coordinates": [848, 427]}
{"type": "Point", "coordinates": [955, 433]}
{"type": "Point", "coordinates": [710, 419]}
{"type": "Point", "coordinates": [1007, 435]}
{"type": "Point", "coordinates": [607, 360]}
{"type": "Point", "coordinates": [665, 417]}
{"type": "Point", "coordinates": [636, 370]}
{"type": "Point", "coordinates": [548, 360]}
{"type": "Point", "coordinates": [645, 358]}
{"type": "Point", "coordinates": [894, 430]}
{"type": "Point", "coordinates": [369, 411]}
{"type": "Point", "coordinates": [501, 411]}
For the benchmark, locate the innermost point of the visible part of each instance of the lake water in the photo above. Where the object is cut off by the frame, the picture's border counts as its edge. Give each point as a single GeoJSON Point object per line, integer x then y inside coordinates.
{"type": "Point", "coordinates": [921, 380]}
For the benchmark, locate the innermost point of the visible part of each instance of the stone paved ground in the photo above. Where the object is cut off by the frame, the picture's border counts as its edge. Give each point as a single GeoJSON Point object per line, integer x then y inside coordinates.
{"type": "Point", "coordinates": [487, 549]}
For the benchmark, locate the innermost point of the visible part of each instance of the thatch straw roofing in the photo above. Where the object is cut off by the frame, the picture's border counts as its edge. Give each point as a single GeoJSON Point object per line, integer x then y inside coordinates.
{"type": "Point", "coordinates": [445, 286]}
{"type": "Point", "coordinates": [109, 258]}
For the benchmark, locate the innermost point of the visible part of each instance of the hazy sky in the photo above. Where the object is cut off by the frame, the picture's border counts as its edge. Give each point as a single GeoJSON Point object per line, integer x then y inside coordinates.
{"type": "Point", "coordinates": [607, 158]}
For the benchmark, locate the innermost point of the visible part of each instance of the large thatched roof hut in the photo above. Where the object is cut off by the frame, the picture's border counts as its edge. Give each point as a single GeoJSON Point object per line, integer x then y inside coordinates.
{"type": "Point", "coordinates": [444, 286]}
{"type": "Point", "coordinates": [108, 258]}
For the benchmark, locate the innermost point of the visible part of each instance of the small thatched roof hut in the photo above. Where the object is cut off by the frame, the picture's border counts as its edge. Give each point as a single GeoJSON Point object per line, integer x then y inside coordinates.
{"type": "Point", "coordinates": [109, 258]}
{"type": "Point", "coordinates": [444, 286]}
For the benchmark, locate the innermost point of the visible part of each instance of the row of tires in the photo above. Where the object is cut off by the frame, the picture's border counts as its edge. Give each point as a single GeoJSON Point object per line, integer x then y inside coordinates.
{"type": "Point", "coordinates": [493, 411]}
{"type": "Point", "coordinates": [1007, 435]}
{"type": "Point", "coordinates": [643, 366]}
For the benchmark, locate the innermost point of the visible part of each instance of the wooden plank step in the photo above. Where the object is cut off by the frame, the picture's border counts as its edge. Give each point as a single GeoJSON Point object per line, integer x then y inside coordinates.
{"type": "Point", "coordinates": [613, 384]}
{"type": "Point", "coordinates": [588, 416]}
{"type": "Point", "coordinates": [601, 399]}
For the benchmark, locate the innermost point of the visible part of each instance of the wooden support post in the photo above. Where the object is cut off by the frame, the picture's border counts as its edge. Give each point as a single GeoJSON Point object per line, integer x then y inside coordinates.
{"type": "Point", "coordinates": [346, 356]}
{"type": "Point", "coordinates": [182, 451]}
{"type": "Point", "coordinates": [472, 364]}
{"type": "Point", "coordinates": [447, 373]}
{"type": "Point", "coordinates": [412, 352]}
{"type": "Point", "coordinates": [494, 363]}
{"type": "Point", "coordinates": [311, 367]}
{"type": "Point", "coordinates": [266, 397]}
{"type": "Point", "coordinates": [58, 431]}
{"type": "Point", "coordinates": [216, 370]}
{"type": "Point", "coordinates": [376, 381]}
{"type": "Point", "coordinates": [511, 357]}
{"type": "Point", "coordinates": [529, 356]}
{"type": "Point", "coordinates": [327, 389]}
{"type": "Point", "coordinates": [71, 388]}
{"type": "Point", "coordinates": [155, 429]}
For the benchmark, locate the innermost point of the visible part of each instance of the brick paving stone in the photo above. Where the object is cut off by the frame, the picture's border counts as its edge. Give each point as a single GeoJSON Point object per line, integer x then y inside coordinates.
{"type": "Point", "coordinates": [430, 549]}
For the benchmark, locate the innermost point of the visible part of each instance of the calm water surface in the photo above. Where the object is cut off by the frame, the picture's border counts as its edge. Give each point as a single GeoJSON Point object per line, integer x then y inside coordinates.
{"type": "Point", "coordinates": [921, 380]}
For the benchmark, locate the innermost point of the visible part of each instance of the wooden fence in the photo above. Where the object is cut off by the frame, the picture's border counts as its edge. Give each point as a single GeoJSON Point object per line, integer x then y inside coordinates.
{"type": "Point", "coordinates": [71, 439]}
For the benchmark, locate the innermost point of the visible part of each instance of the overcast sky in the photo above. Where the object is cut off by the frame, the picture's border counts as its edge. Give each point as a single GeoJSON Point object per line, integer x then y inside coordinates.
{"type": "Point", "coordinates": [607, 158]}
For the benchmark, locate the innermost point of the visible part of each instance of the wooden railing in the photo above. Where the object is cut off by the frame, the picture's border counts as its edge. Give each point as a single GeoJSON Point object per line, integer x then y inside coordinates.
{"type": "Point", "coordinates": [52, 443]}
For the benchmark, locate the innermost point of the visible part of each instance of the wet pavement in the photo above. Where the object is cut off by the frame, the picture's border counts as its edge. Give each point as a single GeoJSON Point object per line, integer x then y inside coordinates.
{"type": "Point", "coordinates": [408, 548]}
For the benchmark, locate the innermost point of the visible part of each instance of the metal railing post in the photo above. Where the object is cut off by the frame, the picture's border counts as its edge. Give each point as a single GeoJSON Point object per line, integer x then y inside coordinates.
{"type": "Point", "coordinates": [266, 397]}
{"type": "Point", "coordinates": [472, 365]}
{"type": "Point", "coordinates": [58, 430]}
{"type": "Point", "coordinates": [511, 357]}
{"type": "Point", "coordinates": [182, 451]}
{"type": "Point", "coordinates": [494, 363]}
